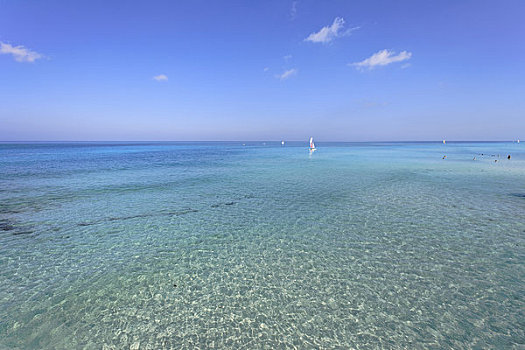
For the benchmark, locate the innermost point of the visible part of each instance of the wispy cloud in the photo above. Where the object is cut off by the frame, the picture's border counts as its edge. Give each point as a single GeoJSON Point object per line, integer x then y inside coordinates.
{"type": "Point", "coordinates": [287, 74]}
{"type": "Point", "coordinates": [266, 69]}
{"type": "Point", "coordinates": [160, 77]}
{"type": "Point", "coordinates": [329, 33]}
{"type": "Point", "coordinates": [382, 58]}
{"type": "Point", "coordinates": [20, 53]}
{"type": "Point", "coordinates": [287, 57]}
{"type": "Point", "coordinates": [293, 10]}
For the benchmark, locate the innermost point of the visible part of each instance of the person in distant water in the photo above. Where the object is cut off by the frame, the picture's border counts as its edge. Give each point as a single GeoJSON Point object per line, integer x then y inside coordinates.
{"type": "Point", "coordinates": [474, 158]}
{"type": "Point", "coordinates": [508, 157]}
{"type": "Point", "coordinates": [444, 157]}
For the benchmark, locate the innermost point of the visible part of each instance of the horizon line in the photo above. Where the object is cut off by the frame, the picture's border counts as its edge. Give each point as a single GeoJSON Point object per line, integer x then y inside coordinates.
{"type": "Point", "coordinates": [280, 140]}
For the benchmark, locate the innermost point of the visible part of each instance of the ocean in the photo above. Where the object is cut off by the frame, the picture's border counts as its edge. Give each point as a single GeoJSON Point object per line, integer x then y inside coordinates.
{"type": "Point", "coordinates": [137, 245]}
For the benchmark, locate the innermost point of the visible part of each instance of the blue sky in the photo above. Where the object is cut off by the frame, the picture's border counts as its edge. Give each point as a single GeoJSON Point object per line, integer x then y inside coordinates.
{"type": "Point", "coordinates": [262, 70]}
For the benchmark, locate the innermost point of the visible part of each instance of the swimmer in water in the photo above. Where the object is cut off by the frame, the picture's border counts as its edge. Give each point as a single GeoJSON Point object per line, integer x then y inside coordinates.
{"type": "Point", "coordinates": [508, 157]}
{"type": "Point", "coordinates": [444, 157]}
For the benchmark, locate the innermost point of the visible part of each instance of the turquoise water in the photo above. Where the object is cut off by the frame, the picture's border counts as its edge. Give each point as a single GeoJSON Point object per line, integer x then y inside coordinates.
{"type": "Point", "coordinates": [220, 245]}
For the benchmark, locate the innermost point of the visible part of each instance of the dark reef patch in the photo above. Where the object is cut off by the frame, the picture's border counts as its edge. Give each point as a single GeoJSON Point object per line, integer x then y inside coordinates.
{"type": "Point", "coordinates": [182, 212]}
{"type": "Point", "coordinates": [130, 217]}
{"type": "Point", "coordinates": [16, 233]}
{"type": "Point", "coordinates": [9, 226]}
{"type": "Point", "coordinates": [6, 226]}
{"type": "Point", "coordinates": [122, 218]}
{"type": "Point", "coordinates": [219, 204]}
{"type": "Point", "coordinates": [86, 223]}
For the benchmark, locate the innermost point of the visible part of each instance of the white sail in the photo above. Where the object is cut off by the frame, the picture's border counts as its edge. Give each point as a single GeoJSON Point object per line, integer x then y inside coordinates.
{"type": "Point", "coordinates": [312, 145]}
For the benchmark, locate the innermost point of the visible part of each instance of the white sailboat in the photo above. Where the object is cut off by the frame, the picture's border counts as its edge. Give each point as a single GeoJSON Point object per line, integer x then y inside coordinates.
{"type": "Point", "coordinates": [282, 143]}
{"type": "Point", "coordinates": [312, 145]}
{"type": "Point", "coordinates": [444, 142]}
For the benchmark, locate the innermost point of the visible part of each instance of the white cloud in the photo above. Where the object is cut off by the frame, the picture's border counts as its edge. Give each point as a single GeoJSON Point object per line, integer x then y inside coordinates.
{"type": "Point", "coordinates": [287, 57]}
{"type": "Point", "coordinates": [329, 33]}
{"type": "Point", "coordinates": [20, 53]}
{"type": "Point", "coordinates": [293, 11]}
{"type": "Point", "coordinates": [160, 77]}
{"type": "Point", "coordinates": [382, 58]}
{"type": "Point", "coordinates": [266, 69]}
{"type": "Point", "coordinates": [287, 74]}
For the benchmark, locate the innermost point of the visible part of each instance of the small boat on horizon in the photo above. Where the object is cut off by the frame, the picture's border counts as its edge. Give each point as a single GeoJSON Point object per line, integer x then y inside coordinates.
{"type": "Point", "coordinates": [312, 145]}
{"type": "Point", "coordinates": [444, 142]}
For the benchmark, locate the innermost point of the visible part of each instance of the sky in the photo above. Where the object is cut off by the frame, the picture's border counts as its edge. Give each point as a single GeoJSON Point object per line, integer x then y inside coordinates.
{"type": "Point", "coordinates": [365, 70]}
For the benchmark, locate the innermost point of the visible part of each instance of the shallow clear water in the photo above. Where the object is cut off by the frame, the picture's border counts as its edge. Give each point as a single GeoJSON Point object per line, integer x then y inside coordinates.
{"type": "Point", "coordinates": [184, 245]}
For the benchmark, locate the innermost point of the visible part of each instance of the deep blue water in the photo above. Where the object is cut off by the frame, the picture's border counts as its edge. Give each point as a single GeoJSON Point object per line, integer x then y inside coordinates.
{"type": "Point", "coordinates": [184, 245]}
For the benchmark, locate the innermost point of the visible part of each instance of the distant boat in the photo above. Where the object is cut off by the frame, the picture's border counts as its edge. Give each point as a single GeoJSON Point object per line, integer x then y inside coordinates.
{"type": "Point", "coordinates": [444, 142]}
{"type": "Point", "coordinates": [282, 143]}
{"type": "Point", "coordinates": [518, 140]}
{"type": "Point", "coordinates": [312, 145]}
